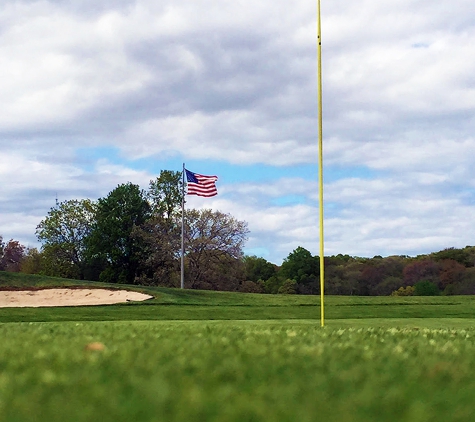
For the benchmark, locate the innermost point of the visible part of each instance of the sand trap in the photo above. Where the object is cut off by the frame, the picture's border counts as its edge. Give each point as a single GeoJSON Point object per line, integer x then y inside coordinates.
{"type": "Point", "coordinates": [67, 297]}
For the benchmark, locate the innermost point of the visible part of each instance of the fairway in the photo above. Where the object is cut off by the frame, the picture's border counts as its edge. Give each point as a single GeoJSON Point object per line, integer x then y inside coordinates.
{"type": "Point", "coordinates": [216, 356]}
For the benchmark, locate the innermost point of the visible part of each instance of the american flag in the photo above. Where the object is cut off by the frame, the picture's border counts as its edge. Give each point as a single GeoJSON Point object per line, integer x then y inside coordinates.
{"type": "Point", "coordinates": [201, 185]}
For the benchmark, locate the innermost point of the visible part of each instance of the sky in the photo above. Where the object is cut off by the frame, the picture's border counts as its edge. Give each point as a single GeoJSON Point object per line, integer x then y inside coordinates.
{"type": "Point", "coordinates": [96, 93]}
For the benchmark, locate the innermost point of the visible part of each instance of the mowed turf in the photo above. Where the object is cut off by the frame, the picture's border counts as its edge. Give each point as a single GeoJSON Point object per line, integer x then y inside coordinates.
{"type": "Point", "coordinates": [235, 371]}
{"type": "Point", "coordinates": [176, 304]}
{"type": "Point", "coordinates": [211, 356]}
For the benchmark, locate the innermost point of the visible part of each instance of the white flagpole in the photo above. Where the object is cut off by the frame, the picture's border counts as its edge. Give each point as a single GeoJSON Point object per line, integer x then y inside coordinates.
{"type": "Point", "coordinates": [182, 273]}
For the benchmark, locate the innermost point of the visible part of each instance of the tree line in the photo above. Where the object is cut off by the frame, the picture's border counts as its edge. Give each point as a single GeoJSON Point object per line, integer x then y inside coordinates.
{"type": "Point", "coordinates": [133, 236]}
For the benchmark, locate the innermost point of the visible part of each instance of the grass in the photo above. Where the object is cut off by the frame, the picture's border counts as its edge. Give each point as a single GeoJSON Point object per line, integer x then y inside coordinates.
{"type": "Point", "coordinates": [176, 304]}
{"type": "Point", "coordinates": [217, 356]}
{"type": "Point", "coordinates": [235, 371]}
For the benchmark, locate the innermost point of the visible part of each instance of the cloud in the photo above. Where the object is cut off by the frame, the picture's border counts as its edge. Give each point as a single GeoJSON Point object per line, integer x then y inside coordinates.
{"type": "Point", "coordinates": [92, 90]}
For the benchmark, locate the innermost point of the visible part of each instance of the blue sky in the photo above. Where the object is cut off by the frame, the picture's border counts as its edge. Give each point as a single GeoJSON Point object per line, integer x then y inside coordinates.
{"type": "Point", "coordinates": [99, 92]}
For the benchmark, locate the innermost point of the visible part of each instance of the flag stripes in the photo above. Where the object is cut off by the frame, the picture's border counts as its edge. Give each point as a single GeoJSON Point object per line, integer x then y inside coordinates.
{"type": "Point", "coordinates": [201, 185]}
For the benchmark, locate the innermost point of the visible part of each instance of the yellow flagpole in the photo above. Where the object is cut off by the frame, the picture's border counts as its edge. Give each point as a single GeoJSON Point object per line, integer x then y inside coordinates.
{"type": "Point", "coordinates": [320, 165]}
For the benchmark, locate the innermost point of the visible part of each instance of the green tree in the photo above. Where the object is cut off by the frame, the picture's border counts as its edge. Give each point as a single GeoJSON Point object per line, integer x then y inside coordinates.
{"type": "Point", "coordinates": [32, 262]}
{"type": "Point", "coordinates": [160, 236]}
{"type": "Point", "coordinates": [300, 263]}
{"type": "Point", "coordinates": [110, 241]}
{"type": "Point", "coordinates": [55, 263]}
{"type": "Point", "coordinates": [462, 256]}
{"type": "Point", "coordinates": [289, 287]}
{"type": "Point", "coordinates": [165, 194]}
{"type": "Point", "coordinates": [63, 234]}
{"type": "Point", "coordinates": [426, 288]}
{"type": "Point", "coordinates": [248, 286]}
{"type": "Point", "coordinates": [213, 244]}
{"type": "Point", "coordinates": [304, 268]}
{"type": "Point", "coordinates": [159, 260]}
{"type": "Point", "coordinates": [273, 284]}
{"type": "Point", "coordinates": [387, 286]}
{"type": "Point", "coordinates": [258, 268]}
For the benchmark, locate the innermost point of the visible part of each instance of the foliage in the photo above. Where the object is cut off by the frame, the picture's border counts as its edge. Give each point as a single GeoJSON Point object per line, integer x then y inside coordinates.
{"type": "Point", "coordinates": [160, 235]}
{"type": "Point", "coordinates": [53, 262]}
{"type": "Point", "coordinates": [404, 291]}
{"type": "Point", "coordinates": [213, 244]}
{"type": "Point", "coordinates": [304, 269]}
{"type": "Point", "coordinates": [288, 287]}
{"type": "Point", "coordinates": [257, 268]}
{"type": "Point", "coordinates": [299, 264]}
{"type": "Point", "coordinates": [387, 286]}
{"type": "Point", "coordinates": [64, 233]}
{"type": "Point", "coordinates": [451, 272]}
{"type": "Point", "coordinates": [426, 288]}
{"type": "Point", "coordinates": [32, 262]}
{"type": "Point", "coordinates": [462, 256]}
{"type": "Point", "coordinates": [165, 194]}
{"type": "Point", "coordinates": [272, 285]}
{"type": "Point", "coordinates": [424, 269]}
{"type": "Point", "coordinates": [12, 256]}
{"type": "Point", "coordinates": [132, 236]}
{"type": "Point", "coordinates": [110, 240]}
{"type": "Point", "coordinates": [248, 286]}
{"type": "Point", "coordinates": [160, 253]}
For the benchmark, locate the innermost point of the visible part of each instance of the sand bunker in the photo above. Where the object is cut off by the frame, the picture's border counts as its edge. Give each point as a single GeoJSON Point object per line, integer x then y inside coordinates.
{"type": "Point", "coordinates": [67, 297]}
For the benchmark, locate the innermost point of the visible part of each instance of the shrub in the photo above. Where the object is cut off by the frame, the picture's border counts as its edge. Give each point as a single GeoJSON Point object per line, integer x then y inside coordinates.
{"type": "Point", "coordinates": [249, 286]}
{"type": "Point", "coordinates": [404, 291]}
{"type": "Point", "coordinates": [426, 288]}
{"type": "Point", "coordinates": [288, 287]}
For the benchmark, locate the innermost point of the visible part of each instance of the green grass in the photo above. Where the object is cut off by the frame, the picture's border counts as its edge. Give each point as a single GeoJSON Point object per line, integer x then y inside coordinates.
{"type": "Point", "coordinates": [217, 356]}
{"type": "Point", "coordinates": [235, 371]}
{"type": "Point", "coordinates": [176, 304]}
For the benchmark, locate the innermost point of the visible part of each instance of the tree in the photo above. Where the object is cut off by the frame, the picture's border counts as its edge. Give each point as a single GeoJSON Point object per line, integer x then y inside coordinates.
{"type": "Point", "coordinates": [248, 286]}
{"type": "Point", "coordinates": [110, 241]}
{"type": "Point", "coordinates": [300, 263]}
{"type": "Point", "coordinates": [165, 194]}
{"type": "Point", "coordinates": [213, 243]}
{"type": "Point", "coordinates": [32, 262]}
{"type": "Point", "coordinates": [160, 235]}
{"type": "Point", "coordinates": [419, 270]}
{"type": "Point", "coordinates": [462, 256]}
{"type": "Point", "coordinates": [426, 288]}
{"type": "Point", "coordinates": [371, 276]}
{"type": "Point", "coordinates": [258, 268]}
{"type": "Point", "coordinates": [451, 273]}
{"type": "Point", "coordinates": [289, 287]}
{"type": "Point", "coordinates": [13, 253]}
{"type": "Point", "coordinates": [465, 287]}
{"type": "Point", "coordinates": [63, 233]}
{"type": "Point", "coordinates": [2, 247]}
{"type": "Point", "coordinates": [159, 259]}
{"type": "Point", "coordinates": [272, 285]}
{"type": "Point", "coordinates": [387, 286]}
{"type": "Point", "coordinates": [351, 277]}
{"type": "Point", "coordinates": [304, 268]}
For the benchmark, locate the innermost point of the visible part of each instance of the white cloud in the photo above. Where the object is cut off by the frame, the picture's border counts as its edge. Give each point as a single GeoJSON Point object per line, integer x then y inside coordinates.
{"type": "Point", "coordinates": [235, 82]}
